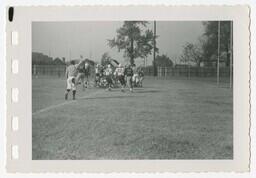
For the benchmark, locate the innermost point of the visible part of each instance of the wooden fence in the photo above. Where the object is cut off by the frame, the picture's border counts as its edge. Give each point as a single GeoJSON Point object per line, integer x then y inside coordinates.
{"type": "Point", "coordinates": [188, 71]}
{"type": "Point", "coordinates": [59, 71]}
{"type": "Point", "coordinates": [51, 70]}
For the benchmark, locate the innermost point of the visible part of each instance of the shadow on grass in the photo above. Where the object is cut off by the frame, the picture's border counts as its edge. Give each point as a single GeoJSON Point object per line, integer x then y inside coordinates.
{"type": "Point", "coordinates": [148, 91]}
{"type": "Point", "coordinates": [109, 97]}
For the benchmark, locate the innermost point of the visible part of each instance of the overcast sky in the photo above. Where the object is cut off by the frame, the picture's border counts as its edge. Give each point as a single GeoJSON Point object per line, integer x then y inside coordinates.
{"type": "Point", "coordinates": [72, 39]}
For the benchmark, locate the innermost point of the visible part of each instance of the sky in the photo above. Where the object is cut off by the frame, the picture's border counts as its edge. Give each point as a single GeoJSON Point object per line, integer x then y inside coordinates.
{"type": "Point", "coordinates": [89, 38]}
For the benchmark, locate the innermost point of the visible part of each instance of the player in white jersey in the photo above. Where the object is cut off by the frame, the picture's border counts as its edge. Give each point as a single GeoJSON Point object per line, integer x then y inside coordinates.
{"type": "Point", "coordinates": [97, 75]}
{"type": "Point", "coordinates": [71, 73]}
{"type": "Point", "coordinates": [119, 73]}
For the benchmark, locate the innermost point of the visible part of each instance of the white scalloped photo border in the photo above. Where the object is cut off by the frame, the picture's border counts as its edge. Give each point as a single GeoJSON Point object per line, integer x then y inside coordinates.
{"type": "Point", "coordinates": [19, 88]}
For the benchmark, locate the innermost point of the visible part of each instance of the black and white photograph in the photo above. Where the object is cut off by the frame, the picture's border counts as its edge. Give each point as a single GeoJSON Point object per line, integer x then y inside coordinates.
{"type": "Point", "coordinates": [132, 90]}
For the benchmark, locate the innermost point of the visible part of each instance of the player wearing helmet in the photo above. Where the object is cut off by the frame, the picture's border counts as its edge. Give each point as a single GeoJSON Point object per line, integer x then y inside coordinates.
{"type": "Point", "coordinates": [129, 73]}
{"type": "Point", "coordinates": [83, 75]}
{"type": "Point", "coordinates": [141, 77]}
{"type": "Point", "coordinates": [87, 74]}
{"type": "Point", "coordinates": [119, 73]}
{"type": "Point", "coordinates": [97, 74]}
{"type": "Point", "coordinates": [71, 74]}
{"type": "Point", "coordinates": [109, 73]}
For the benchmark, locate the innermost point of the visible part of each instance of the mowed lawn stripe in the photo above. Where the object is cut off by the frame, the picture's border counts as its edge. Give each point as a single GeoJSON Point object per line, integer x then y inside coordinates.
{"type": "Point", "coordinates": [65, 103]}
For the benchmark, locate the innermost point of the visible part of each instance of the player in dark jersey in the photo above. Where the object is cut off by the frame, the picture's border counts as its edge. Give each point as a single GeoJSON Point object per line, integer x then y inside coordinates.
{"type": "Point", "coordinates": [128, 72]}
{"type": "Point", "coordinates": [141, 77]}
{"type": "Point", "coordinates": [83, 75]}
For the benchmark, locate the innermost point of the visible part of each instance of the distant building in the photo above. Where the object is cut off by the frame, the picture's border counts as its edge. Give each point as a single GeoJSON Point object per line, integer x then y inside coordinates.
{"type": "Point", "coordinates": [58, 61]}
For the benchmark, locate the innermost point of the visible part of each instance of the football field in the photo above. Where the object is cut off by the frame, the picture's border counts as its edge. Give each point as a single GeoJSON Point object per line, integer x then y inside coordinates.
{"type": "Point", "coordinates": [166, 119]}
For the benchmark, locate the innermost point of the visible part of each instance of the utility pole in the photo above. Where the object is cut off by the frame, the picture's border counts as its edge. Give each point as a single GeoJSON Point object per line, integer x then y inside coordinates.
{"type": "Point", "coordinates": [154, 52]}
{"type": "Point", "coordinates": [218, 62]}
{"type": "Point", "coordinates": [231, 55]}
{"type": "Point", "coordinates": [69, 55]}
{"type": "Point", "coordinates": [90, 54]}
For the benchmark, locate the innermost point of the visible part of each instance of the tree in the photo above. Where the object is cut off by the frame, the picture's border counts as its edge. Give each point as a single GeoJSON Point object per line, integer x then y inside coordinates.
{"type": "Point", "coordinates": [202, 45]}
{"type": "Point", "coordinates": [192, 53]}
{"type": "Point", "coordinates": [163, 61]}
{"type": "Point", "coordinates": [105, 59]}
{"type": "Point", "coordinates": [135, 42]}
{"type": "Point", "coordinates": [185, 56]}
{"type": "Point", "coordinates": [58, 61]}
{"type": "Point", "coordinates": [211, 46]}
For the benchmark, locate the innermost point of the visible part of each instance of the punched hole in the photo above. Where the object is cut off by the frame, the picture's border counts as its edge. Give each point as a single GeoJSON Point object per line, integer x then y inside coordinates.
{"type": "Point", "coordinates": [15, 95]}
{"type": "Point", "coordinates": [15, 152]}
{"type": "Point", "coordinates": [15, 66]}
{"type": "Point", "coordinates": [15, 123]}
{"type": "Point", "coordinates": [15, 38]}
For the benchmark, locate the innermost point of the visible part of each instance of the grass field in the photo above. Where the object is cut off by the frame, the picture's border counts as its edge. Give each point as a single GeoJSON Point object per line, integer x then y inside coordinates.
{"type": "Point", "coordinates": [167, 119]}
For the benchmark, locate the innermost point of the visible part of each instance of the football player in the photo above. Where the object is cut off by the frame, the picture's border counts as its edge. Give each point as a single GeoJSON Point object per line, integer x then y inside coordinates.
{"type": "Point", "coordinates": [109, 73]}
{"type": "Point", "coordinates": [71, 74]}
{"type": "Point", "coordinates": [129, 73]}
{"type": "Point", "coordinates": [119, 73]}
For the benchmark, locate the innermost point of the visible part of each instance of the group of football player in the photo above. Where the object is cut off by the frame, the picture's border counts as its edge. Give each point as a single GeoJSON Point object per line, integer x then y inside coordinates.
{"type": "Point", "coordinates": [110, 75]}
{"type": "Point", "coordinates": [122, 76]}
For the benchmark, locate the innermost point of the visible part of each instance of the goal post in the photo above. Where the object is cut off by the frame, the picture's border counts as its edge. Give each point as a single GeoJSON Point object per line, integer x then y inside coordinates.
{"type": "Point", "coordinates": [218, 58]}
{"type": "Point", "coordinates": [231, 56]}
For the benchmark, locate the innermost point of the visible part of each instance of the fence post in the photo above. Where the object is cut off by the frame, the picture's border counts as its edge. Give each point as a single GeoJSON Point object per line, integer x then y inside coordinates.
{"type": "Point", "coordinates": [188, 71]}
{"type": "Point", "coordinates": [231, 56]}
{"type": "Point", "coordinates": [34, 73]}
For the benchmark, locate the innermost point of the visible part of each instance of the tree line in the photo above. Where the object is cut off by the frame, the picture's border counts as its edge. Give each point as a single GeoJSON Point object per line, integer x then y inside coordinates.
{"type": "Point", "coordinates": [42, 59]}
{"type": "Point", "coordinates": [205, 50]}
{"type": "Point", "coordinates": [136, 41]}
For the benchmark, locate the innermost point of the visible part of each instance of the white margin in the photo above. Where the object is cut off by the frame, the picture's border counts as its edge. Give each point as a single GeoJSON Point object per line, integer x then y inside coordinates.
{"type": "Point", "coordinates": [79, 2]}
